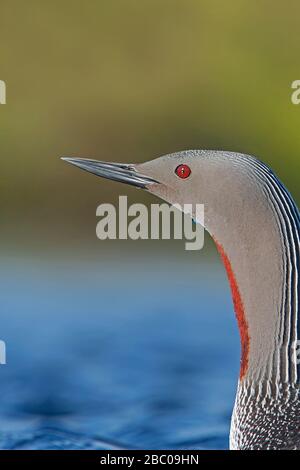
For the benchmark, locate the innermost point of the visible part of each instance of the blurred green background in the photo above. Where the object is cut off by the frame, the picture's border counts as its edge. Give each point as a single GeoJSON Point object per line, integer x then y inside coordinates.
{"type": "Point", "coordinates": [128, 80]}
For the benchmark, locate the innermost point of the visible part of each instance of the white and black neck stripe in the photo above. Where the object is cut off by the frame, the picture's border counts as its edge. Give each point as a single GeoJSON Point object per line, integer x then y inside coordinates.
{"type": "Point", "coordinates": [287, 216]}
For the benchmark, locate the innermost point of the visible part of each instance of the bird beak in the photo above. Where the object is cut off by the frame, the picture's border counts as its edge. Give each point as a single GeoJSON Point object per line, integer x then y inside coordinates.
{"type": "Point", "coordinates": [113, 171]}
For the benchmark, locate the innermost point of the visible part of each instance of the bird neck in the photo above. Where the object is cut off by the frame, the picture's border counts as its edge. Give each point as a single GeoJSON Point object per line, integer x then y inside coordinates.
{"type": "Point", "coordinates": [262, 264]}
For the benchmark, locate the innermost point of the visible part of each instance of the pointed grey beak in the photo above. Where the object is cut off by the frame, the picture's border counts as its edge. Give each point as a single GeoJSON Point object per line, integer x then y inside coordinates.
{"type": "Point", "coordinates": [113, 171]}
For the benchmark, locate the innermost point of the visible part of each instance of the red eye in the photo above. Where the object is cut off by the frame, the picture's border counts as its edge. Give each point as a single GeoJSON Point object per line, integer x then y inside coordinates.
{"type": "Point", "coordinates": [183, 171]}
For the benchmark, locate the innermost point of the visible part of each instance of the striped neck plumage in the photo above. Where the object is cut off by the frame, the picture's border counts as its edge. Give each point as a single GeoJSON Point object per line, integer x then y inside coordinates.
{"type": "Point", "coordinates": [263, 274]}
{"type": "Point", "coordinates": [286, 363]}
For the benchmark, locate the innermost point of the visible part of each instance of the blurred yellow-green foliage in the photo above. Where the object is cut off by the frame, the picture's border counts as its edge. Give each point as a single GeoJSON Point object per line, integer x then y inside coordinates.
{"type": "Point", "coordinates": [130, 80]}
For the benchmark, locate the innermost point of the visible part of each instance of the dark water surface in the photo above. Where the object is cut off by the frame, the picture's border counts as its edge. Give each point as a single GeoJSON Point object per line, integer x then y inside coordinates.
{"type": "Point", "coordinates": [124, 356]}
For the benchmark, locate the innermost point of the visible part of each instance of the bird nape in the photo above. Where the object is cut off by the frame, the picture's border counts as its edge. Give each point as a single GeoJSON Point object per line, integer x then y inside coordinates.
{"type": "Point", "coordinates": [255, 224]}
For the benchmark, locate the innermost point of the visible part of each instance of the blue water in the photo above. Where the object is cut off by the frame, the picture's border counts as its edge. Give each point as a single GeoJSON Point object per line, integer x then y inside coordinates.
{"type": "Point", "coordinates": [116, 356]}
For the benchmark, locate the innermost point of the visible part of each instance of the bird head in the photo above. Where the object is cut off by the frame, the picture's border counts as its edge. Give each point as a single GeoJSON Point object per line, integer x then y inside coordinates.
{"type": "Point", "coordinates": [179, 178]}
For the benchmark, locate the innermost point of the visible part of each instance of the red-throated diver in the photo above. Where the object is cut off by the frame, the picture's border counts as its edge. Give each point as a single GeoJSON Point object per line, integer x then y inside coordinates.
{"type": "Point", "coordinates": [255, 224]}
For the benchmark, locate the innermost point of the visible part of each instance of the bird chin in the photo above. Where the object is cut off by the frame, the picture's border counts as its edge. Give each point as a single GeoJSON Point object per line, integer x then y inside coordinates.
{"type": "Point", "coordinates": [163, 192]}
